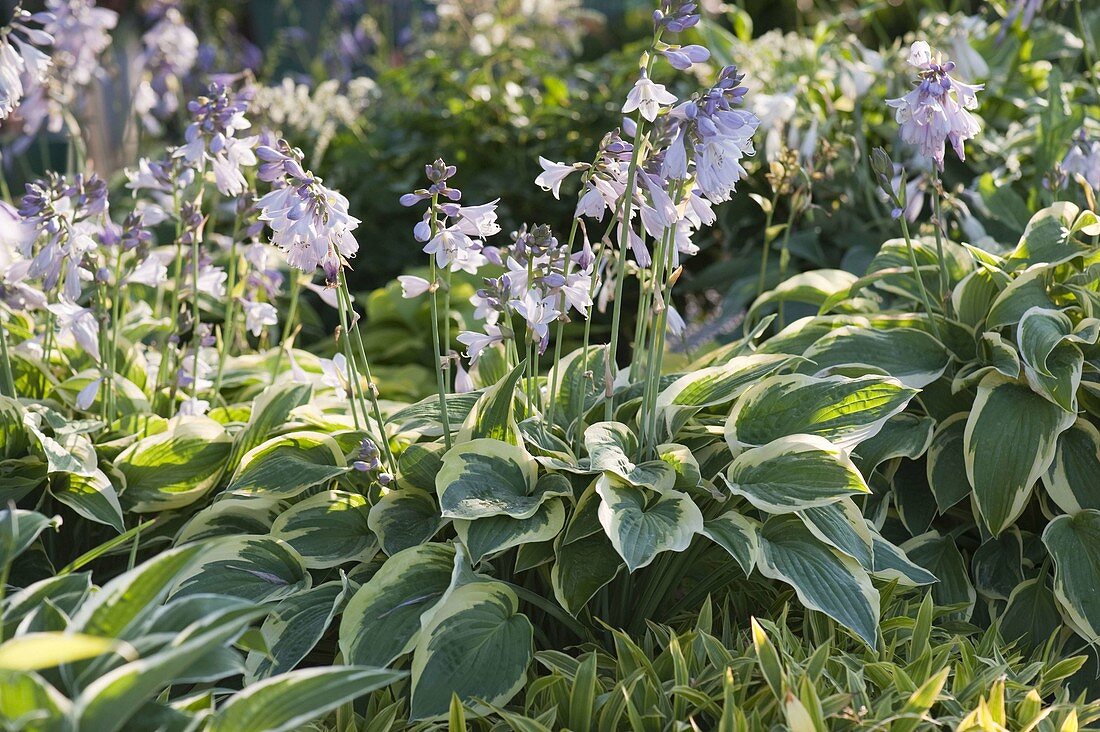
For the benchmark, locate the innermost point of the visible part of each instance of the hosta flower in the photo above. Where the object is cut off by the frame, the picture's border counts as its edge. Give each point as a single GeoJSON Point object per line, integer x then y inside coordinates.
{"type": "Point", "coordinates": [552, 175]}
{"type": "Point", "coordinates": [412, 286]}
{"type": "Point", "coordinates": [936, 111]}
{"type": "Point", "coordinates": [258, 315]}
{"type": "Point", "coordinates": [1083, 159]}
{"type": "Point", "coordinates": [648, 97]}
{"type": "Point", "coordinates": [683, 57]}
{"type": "Point", "coordinates": [22, 63]}
{"type": "Point", "coordinates": [454, 234]}
{"type": "Point", "coordinates": [81, 32]}
{"type": "Point", "coordinates": [334, 374]}
{"type": "Point", "coordinates": [539, 311]}
{"type": "Point", "coordinates": [78, 322]}
{"type": "Point", "coordinates": [212, 136]}
{"type": "Point", "coordinates": [476, 343]}
{"type": "Point", "coordinates": [193, 407]}
{"type": "Point", "coordinates": [170, 52]}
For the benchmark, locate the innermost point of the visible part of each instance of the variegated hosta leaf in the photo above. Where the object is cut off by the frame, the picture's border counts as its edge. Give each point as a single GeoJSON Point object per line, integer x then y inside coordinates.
{"type": "Point", "coordinates": [739, 535]}
{"type": "Point", "coordinates": [581, 381]}
{"type": "Point", "coordinates": [270, 411]}
{"type": "Point", "coordinates": [294, 628]}
{"type": "Point", "coordinates": [382, 620]}
{"type": "Point", "coordinates": [1028, 290]}
{"type": "Point", "coordinates": [24, 695]}
{"type": "Point", "coordinates": [843, 410]}
{"type": "Point", "coordinates": [18, 530]}
{"type": "Point", "coordinates": [892, 261]}
{"type": "Point", "coordinates": [813, 287]}
{"type": "Point", "coordinates": [794, 473]}
{"type": "Point", "coordinates": [684, 464]}
{"type": "Point", "coordinates": [1074, 542]}
{"type": "Point", "coordinates": [972, 297]}
{"type": "Point", "coordinates": [230, 516]}
{"type": "Point", "coordinates": [997, 566]}
{"type": "Point", "coordinates": [715, 385]}
{"type": "Point", "coordinates": [1052, 363]}
{"type": "Point", "coordinates": [403, 518]}
{"type": "Point", "coordinates": [420, 463]}
{"type": "Point", "coordinates": [1073, 479]}
{"type": "Point", "coordinates": [611, 447]}
{"type": "Point", "coordinates": [891, 564]}
{"type": "Point", "coordinates": [942, 558]}
{"type": "Point", "coordinates": [584, 558]}
{"type": "Point", "coordinates": [176, 468]}
{"type": "Point", "coordinates": [841, 525]}
{"type": "Point", "coordinates": [993, 354]}
{"type": "Point", "coordinates": [425, 417]}
{"type": "Point", "coordinates": [1031, 616]}
{"type": "Point", "coordinates": [492, 534]}
{"type": "Point", "coordinates": [823, 578]}
{"type": "Point", "coordinates": [490, 478]}
{"type": "Point", "coordinates": [1009, 442]}
{"type": "Point", "coordinates": [641, 525]}
{"type": "Point", "coordinates": [328, 529]}
{"type": "Point", "coordinates": [285, 466]}
{"type": "Point", "coordinates": [903, 435]}
{"type": "Point", "coordinates": [476, 645]}
{"type": "Point", "coordinates": [255, 568]}
{"type": "Point", "coordinates": [911, 356]}
{"type": "Point", "coordinates": [1046, 240]}
{"type": "Point", "coordinates": [494, 415]}
{"type": "Point", "coordinates": [13, 433]}
{"type": "Point", "coordinates": [945, 468]}
{"type": "Point", "coordinates": [91, 496]}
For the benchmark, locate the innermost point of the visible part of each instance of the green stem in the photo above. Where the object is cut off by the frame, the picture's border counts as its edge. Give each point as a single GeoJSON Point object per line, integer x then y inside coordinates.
{"type": "Point", "coordinates": [292, 315]}
{"type": "Point", "coordinates": [938, 224]}
{"type": "Point", "coordinates": [559, 330]}
{"type": "Point", "coordinates": [768, 216]}
{"type": "Point", "coordinates": [349, 358]}
{"type": "Point", "coordinates": [441, 387]}
{"type": "Point", "coordinates": [7, 380]}
{"type": "Point", "coordinates": [917, 276]}
{"type": "Point", "coordinates": [229, 327]}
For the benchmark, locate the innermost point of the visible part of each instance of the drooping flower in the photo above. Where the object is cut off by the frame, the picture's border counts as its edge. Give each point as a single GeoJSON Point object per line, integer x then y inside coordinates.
{"type": "Point", "coordinates": [454, 234]}
{"type": "Point", "coordinates": [476, 343]}
{"type": "Point", "coordinates": [936, 111]}
{"type": "Point", "coordinates": [212, 136]}
{"type": "Point", "coordinates": [170, 52]}
{"type": "Point", "coordinates": [648, 97]}
{"type": "Point", "coordinates": [552, 175]}
{"type": "Point", "coordinates": [258, 315]}
{"type": "Point", "coordinates": [1083, 159]}
{"type": "Point", "coordinates": [80, 323]}
{"type": "Point", "coordinates": [22, 62]}
{"type": "Point", "coordinates": [412, 286]}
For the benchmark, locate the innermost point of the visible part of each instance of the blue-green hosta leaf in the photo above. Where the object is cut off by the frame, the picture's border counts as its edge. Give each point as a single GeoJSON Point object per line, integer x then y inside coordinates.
{"type": "Point", "coordinates": [997, 566]}
{"type": "Point", "coordinates": [942, 558]}
{"type": "Point", "coordinates": [843, 410]}
{"type": "Point", "coordinates": [290, 700]}
{"type": "Point", "coordinates": [382, 620]}
{"type": "Point", "coordinates": [328, 529]}
{"type": "Point", "coordinates": [893, 263]}
{"type": "Point", "coordinates": [91, 496]}
{"type": "Point", "coordinates": [891, 564]}
{"type": "Point", "coordinates": [823, 578]}
{"type": "Point", "coordinates": [794, 473]}
{"type": "Point", "coordinates": [945, 468]}
{"type": "Point", "coordinates": [715, 385]}
{"type": "Point", "coordinates": [974, 295]}
{"type": "Point", "coordinates": [903, 435]}
{"type": "Point", "coordinates": [174, 469]}
{"type": "Point", "coordinates": [610, 447]}
{"type": "Point", "coordinates": [841, 525]}
{"type": "Point", "coordinates": [994, 354]}
{"type": "Point", "coordinates": [294, 628]}
{"type": "Point", "coordinates": [642, 526]}
{"type": "Point", "coordinates": [65, 592]}
{"type": "Point", "coordinates": [229, 517]}
{"type": "Point", "coordinates": [494, 415]}
{"type": "Point", "coordinates": [13, 433]}
{"type": "Point", "coordinates": [585, 560]}
{"type": "Point", "coordinates": [419, 464]}
{"type": "Point", "coordinates": [477, 646]}
{"type": "Point", "coordinates": [425, 416]}
{"type": "Point", "coordinates": [1028, 290]}
{"type": "Point", "coordinates": [492, 534]}
{"type": "Point", "coordinates": [1047, 240]}
{"type": "Point", "coordinates": [486, 477]}
{"type": "Point", "coordinates": [404, 517]}
{"type": "Point", "coordinates": [19, 529]}
{"type": "Point", "coordinates": [1052, 363]}
{"type": "Point", "coordinates": [255, 568]}
{"type": "Point", "coordinates": [813, 288]}
{"type": "Point", "coordinates": [27, 701]}
{"type": "Point", "coordinates": [738, 535]}
{"type": "Point", "coordinates": [270, 411]}
{"type": "Point", "coordinates": [1009, 442]}
{"type": "Point", "coordinates": [1031, 617]}
{"type": "Point", "coordinates": [687, 472]}
{"type": "Point", "coordinates": [1074, 542]}
{"type": "Point", "coordinates": [1073, 479]}
{"type": "Point", "coordinates": [581, 382]}
{"type": "Point", "coordinates": [285, 466]}
{"type": "Point", "coordinates": [911, 356]}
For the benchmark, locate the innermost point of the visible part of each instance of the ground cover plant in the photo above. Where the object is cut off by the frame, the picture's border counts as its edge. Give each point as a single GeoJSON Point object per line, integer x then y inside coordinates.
{"type": "Point", "coordinates": [848, 491]}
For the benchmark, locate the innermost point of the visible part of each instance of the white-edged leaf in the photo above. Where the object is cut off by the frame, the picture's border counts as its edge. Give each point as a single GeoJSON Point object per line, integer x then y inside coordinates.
{"type": "Point", "coordinates": [642, 526]}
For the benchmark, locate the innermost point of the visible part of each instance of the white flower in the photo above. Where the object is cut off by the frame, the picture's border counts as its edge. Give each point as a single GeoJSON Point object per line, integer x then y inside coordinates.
{"type": "Point", "coordinates": [86, 396]}
{"type": "Point", "coordinates": [479, 221]}
{"type": "Point", "coordinates": [79, 322]}
{"type": "Point", "coordinates": [538, 311]}
{"type": "Point", "coordinates": [412, 286]}
{"type": "Point", "coordinates": [1083, 159]}
{"type": "Point", "coordinates": [648, 98]}
{"type": "Point", "coordinates": [552, 175]}
{"type": "Point", "coordinates": [193, 407]}
{"type": "Point", "coordinates": [257, 315]}
{"type": "Point", "coordinates": [476, 342]}
{"type": "Point", "coordinates": [335, 374]}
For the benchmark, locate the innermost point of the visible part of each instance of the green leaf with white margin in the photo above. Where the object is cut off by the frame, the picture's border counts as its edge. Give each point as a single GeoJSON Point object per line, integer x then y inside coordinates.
{"type": "Point", "coordinates": [294, 628]}
{"type": "Point", "coordinates": [91, 496]}
{"type": "Point", "coordinates": [582, 382]}
{"type": "Point", "coordinates": [270, 411]}
{"type": "Point", "coordinates": [255, 568]}
{"type": "Point", "coordinates": [328, 529]}
{"type": "Point", "coordinates": [477, 645]}
{"type": "Point", "coordinates": [1046, 240]}
{"type": "Point", "coordinates": [424, 416]}
{"type": "Point", "coordinates": [941, 557]}
{"type": "Point", "coordinates": [841, 525]}
{"type": "Point", "coordinates": [34, 651]}
{"type": "Point", "coordinates": [945, 468]}
{"type": "Point", "coordinates": [492, 534]}
{"type": "Point", "coordinates": [494, 415]}
{"type": "Point", "coordinates": [843, 410]}
{"type": "Point", "coordinates": [1031, 617]}
{"type": "Point", "coordinates": [1052, 364]}
{"type": "Point", "coordinates": [1073, 479]}
{"type": "Point", "coordinates": [19, 529]}
{"type": "Point", "coordinates": [64, 453]}
{"type": "Point", "coordinates": [794, 473]}
{"type": "Point", "coordinates": [714, 385]}
{"type": "Point", "coordinates": [738, 535]}
{"type": "Point", "coordinates": [911, 356]}
{"type": "Point", "coordinates": [993, 354]}
{"type": "Point", "coordinates": [13, 433]}
{"type": "Point", "coordinates": [1074, 542]}
{"type": "Point", "coordinates": [813, 288]}
{"type": "Point", "coordinates": [972, 297]}
{"type": "Point", "coordinates": [585, 560]}
{"type": "Point", "coordinates": [823, 578]}
{"type": "Point", "coordinates": [419, 463]}
{"type": "Point", "coordinates": [1009, 442]}
{"type": "Point", "coordinates": [174, 469]}
{"type": "Point", "coordinates": [610, 445]}
{"type": "Point", "coordinates": [285, 466]}
{"type": "Point", "coordinates": [684, 464]}
{"type": "Point", "coordinates": [641, 526]}
{"type": "Point", "coordinates": [382, 620]}
{"type": "Point", "coordinates": [891, 564]}
{"type": "Point", "coordinates": [903, 435]}
{"type": "Point", "coordinates": [404, 517]}
{"type": "Point", "coordinates": [1026, 291]}
{"type": "Point", "coordinates": [487, 477]}
{"type": "Point", "coordinates": [27, 700]}
{"type": "Point", "coordinates": [230, 516]}
{"type": "Point", "coordinates": [290, 700]}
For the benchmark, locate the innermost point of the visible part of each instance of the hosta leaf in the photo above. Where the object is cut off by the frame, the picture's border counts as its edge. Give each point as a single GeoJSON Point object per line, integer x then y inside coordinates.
{"type": "Point", "coordinates": [285, 466]}
{"type": "Point", "coordinates": [63, 591]}
{"type": "Point", "coordinates": [738, 535]}
{"type": "Point", "coordinates": [1073, 479]}
{"type": "Point", "coordinates": [27, 701]}
{"type": "Point", "coordinates": [813, 288]}
{"type": "Point", "coordinates": [294, 628]}
{"type": "Point", "coordinates": [486, 477]}
{"type": "Point", "coordinates": [942, 558]}
{"type": "Point", "coordinates": [715, 385]}
{"type": "Point", "coordinates": [420, 463]}
{"type": "Point", "coordinates": [34, 651]}
{"type": "Point", "coordinates": [494, 415]}
{"type": "Point", "coordinates": [230, 516]}
{"type": "Point", "coordinates": [382, 619]}
{"type": "Point", "coordinates": [485, 536]}
{"type": "Point", "coordinates": [19, 529]}
{"type": "Point", "coordinates": [403, 518]}
{"type": "Point", "coordinates": [610, 448]}
{"type": "Point", "coordinates": [1074, 542]}
{"type": "Point", "coordinates": [1031, 617]}
{"type": "Point", "coordinates": [585, 560]}
{"type": "Point", "coordinates": [581, 380]}
{"type": "Point", "coordinates": [823, 579]}
{"type": "Point", "coordinates": [946, 464]}
{"type": "Point", "coordinates": [328, 529]}
{"type": "Point", "coordinates": [476, 646]}
{"type": "Point", "coordinates": [174, 469]}
{"type": "Point", "coordinates": [255, 568]}
{"type": "Point", "coordinates": [425, 416]}
{"type": "Point", "coordinates": [891, 564]}
{"type": "Point", "coordinates": [1028, 290]}
{"type": "Point", "coordinates": [841, 525]}
{"type": "Point", "coordinates": [998, 565]}
{"type": "Point", "coordinates": [1009, 442]}
{"type": "Point", "coordinates": [91, 496]}
{"type": "Point", "coordinates": [64, 453]}
{"type": "Point", "coordinates": [903, 435]}
{"type": "Point", "coordinates": [641, 527]}
{"type": "Point", "coordinates": [794, 473]}
{"type": "Point", "coordinates": [270, 411]}
{"type": "Point", "coordinates": [1047, 240]}
{"type": "Point", "coordinates": [844, 411]}
{"type": "Point", "coordinates": [972, 298]}
{"type": "Point", "coordinates": [288, 701]}
{"type": "Point", "coordinates": [911, 356]}
{"type": "Point", "coordinates": [13, 433]}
